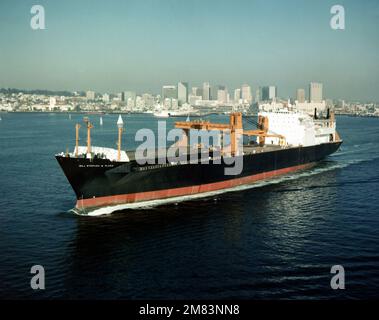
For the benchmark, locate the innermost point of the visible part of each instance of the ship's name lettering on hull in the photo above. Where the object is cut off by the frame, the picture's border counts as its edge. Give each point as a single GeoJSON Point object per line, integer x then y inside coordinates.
{"type": "Point", "coordinates": [96, 166]}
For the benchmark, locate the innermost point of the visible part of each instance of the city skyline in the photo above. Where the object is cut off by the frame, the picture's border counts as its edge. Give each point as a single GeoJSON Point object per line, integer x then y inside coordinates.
{"type": "Point", "coordinates": [171, 91]}
{"type": "Point", "coordinates": [138, 45]}
{"type": "Point", "coordinates": [179, 100]}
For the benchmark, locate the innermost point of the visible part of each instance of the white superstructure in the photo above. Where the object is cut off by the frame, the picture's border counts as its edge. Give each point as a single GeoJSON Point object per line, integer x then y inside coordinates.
{"type": "Point", "coordinates": [298, 128]}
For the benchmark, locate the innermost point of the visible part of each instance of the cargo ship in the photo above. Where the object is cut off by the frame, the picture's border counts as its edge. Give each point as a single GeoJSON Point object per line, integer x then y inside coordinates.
{"type": "Point", "coordinates": [281, 141]}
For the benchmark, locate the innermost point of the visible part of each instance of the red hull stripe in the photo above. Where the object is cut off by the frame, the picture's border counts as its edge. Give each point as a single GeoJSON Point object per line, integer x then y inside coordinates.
{"type": "Point", "coordinates": [184, 191]}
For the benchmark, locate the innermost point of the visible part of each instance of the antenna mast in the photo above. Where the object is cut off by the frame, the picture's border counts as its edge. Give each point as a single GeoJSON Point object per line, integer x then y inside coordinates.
{"type": "Point", "coordinates": [89, 127]}
{"type": "Point", "coordinates": [120, 125]}
{"type": "Point", "coordinates": [77, 127]}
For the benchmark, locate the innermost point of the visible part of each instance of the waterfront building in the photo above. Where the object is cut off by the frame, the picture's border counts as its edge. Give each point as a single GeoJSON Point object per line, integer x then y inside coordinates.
{"type": "Point", "coordinates": [131, 103]}
{"type": "Point", "coordinates": [140, 103]}
{"type": "Point", "coordinates": [194, 99]}
{"type": "Point", "coordinates": [90, 95]}
{"type": "Point", "coordinates": [52, 104]}
{"type": "Point", "coordinates": [106, 97]}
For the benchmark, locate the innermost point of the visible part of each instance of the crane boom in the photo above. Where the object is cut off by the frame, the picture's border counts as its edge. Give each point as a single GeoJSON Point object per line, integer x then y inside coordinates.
{"type": "Point", "coordinates": [235, 127]}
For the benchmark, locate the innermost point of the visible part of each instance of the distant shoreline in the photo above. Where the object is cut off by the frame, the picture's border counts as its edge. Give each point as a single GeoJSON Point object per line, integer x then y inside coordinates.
{"type": "Point", "coordinates": [102, 113]}
{"type": "Point", "coordinates": [99, 113]}
{"type": "Point", "coordinates": [357, 115]}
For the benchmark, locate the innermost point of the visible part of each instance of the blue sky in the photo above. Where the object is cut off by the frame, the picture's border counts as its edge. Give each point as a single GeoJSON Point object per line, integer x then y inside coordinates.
{"type": "Point", "coordinates": [140, 45]}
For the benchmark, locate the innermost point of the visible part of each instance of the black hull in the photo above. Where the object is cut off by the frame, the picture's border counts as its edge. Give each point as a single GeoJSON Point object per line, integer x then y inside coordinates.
{"type": "Point", "coordinates": [101, 182]}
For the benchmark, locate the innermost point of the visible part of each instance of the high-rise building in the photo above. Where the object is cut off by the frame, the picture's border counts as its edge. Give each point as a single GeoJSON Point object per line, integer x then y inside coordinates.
{"type": "Point", "coordinates": [182, 92]}
{"type": "Point", "coordinates": [300, 95]}
{"type": "Point", "coordinates": [258, 94]}
{"type": "Point", "coordinates": [129, 95]}
{"type": "Point", "coordinates": [265, 94]}
{"type": "Point", "coordinates": [148, 99]}
{"type": "Point", "coordinates": [196, 91]}
{"type": "Point", "coordinates": [121, 96]}
{"type": "Point", "coordinates": [131, 103]}
{"type": "Point", "coordinates": [246, 93]}
{"type": "Point", "coordinates": [169, 92]}
{"type": "Point", "coordinates": [315, 92]}
{"type": "Point", "coordinates": [214, 92]}
{"type": "Point", "coordinates": [192, 99]}
{"type": "Point", "coordinates": [269, 93]}
{"type": "Point", "coordinates": [170, 103]}
{"type": "Point", "coordinates": [206, 91]}
{"type": "Point", "coordinates": [222, 94]}
{"type": "Point", "coordinates": [237, 95]}
{"type": "Point", "coordinates": [90, 95]}
{"type": "Point", "coordinates": [140, 104]}
{"type": "Point", "coordinates": [272, 92]}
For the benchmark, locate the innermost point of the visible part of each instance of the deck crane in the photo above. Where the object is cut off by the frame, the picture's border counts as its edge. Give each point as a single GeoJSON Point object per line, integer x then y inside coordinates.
{"type": "Point", "coordinates": [235, 127]}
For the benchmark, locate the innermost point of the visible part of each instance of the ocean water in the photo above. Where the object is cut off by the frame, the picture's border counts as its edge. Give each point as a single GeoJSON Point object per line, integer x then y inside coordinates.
{"type": "Point", "coordinates": [276, 240]}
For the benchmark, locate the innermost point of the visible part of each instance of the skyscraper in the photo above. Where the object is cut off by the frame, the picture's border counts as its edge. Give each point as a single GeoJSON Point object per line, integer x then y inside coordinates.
{"type": "Point", "coordinates": [121, 96]}
{"type": "Point", "coordinates": [246, 93]}
{"type": "Point", "coordinates": [269, 93]}
{"type": "Point", "coordinates": [315, 92]}
{"type": "Point", "coordinates": [182, 92]}
{"type": "Point", "coordinates": [214, 92]}
{"type": "Point", "coordinates": [196, 91]}
{"type": "Point", "coordinates": [129, 95]}
{"type": "Point", "coordinates": [272, 92]}
{"type": "Point", "coordinates": [237, 95]}
{"type": "Point", "coordinates": [222, 94]}
{"type": "Point", "coordinates": [206, 91]}
{"type": "Point", "coordinates": [169, 92]}
{"type": "Point", "coordinates": [265, 96]}
{"type": "Point", "coordinates": [258, 94]}
{"type": "Point", "coordinates": [300, 95]}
